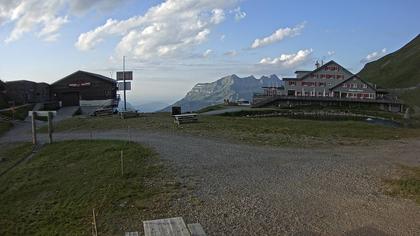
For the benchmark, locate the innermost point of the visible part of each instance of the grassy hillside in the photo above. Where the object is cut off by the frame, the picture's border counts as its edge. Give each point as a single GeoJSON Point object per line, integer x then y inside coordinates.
{"type": "Point", "coordinates": [55, 192]}
{"type": "Point", "coordinates": [5, 126]}
{"type": "Point", "coordinates": [399, 69]}
{"type": "Point", "coordinates": [10, 154]}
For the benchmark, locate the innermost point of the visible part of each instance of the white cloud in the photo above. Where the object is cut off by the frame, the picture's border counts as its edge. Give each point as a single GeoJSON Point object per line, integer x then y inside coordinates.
{"type": "Point", "coordinates": [239, 15]}
{"type": "Point", "coordinates": [288, 60]}
{"type": "Point", "coordinates": [222, 37]}
{"type": "Point", "coordinates": [278, 35]}
{"type": "Point", "coordinates": [374, 56]}
{"type": "Point", "coordinates": [207, 53]}
{"type": "Point", "coordinates": [231, 53]}
{"type": "Point", "coordinates": [218, 16]}
{"type": "Point", "coordinates": [170, 29]}
{"type": "Point", "coordinates": [331, 53]}
{"type": "Point", "coordinates": [45, 17]}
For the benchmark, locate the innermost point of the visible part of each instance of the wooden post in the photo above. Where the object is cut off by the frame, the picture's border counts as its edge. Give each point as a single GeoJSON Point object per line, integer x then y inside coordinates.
{"type": "Point", "coordinates": [122, 162]}
{"type": "Point", "coordinates": [50, 127]}
{"type": "Point", "coordinates": [95, 229]}
{"type": "Point", "coordinates": [34, 141]}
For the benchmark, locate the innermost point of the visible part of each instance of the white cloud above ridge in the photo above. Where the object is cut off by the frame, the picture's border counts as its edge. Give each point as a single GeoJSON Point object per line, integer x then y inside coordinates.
{"type": "Point", "coordinates": [374, 56]}
{"type": "Point", "coordinates": [288, 60]}
{"type": "Point", "coordinates": [170, 29]}
{"type": "Point", "coordinates": [278, 35]}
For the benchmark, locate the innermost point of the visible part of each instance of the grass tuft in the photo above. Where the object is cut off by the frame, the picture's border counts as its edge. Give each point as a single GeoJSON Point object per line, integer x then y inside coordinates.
{"type": "Point", "coordinates": [408, 185]}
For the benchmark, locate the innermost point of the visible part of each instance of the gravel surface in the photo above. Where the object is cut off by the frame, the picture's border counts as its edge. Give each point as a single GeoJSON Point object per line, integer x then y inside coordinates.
{"type": "Point", "coordinates": [236, 189]}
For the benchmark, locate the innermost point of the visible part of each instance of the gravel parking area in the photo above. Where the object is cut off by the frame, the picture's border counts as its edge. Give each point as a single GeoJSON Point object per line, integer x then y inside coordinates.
{"type": "Point", "coordinates": [236, 189]}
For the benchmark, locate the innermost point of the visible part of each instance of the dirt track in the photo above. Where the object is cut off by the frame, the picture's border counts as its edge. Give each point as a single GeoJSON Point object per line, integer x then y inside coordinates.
{"type": "Point", "coordinates": [247, 190]}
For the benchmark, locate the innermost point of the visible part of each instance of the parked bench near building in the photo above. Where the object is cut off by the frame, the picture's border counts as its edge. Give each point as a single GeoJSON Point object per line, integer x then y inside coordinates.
{"type": "Point", "coordinates": [185, 118]}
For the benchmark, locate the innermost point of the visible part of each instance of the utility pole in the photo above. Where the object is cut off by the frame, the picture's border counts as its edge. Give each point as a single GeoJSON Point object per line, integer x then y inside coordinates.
{"type": "Point", "coordinates": [125, 96]}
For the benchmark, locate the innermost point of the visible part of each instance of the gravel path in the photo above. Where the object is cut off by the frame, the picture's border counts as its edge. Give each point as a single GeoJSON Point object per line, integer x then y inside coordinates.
{"type": "Point", "coordinates": [236, 189]}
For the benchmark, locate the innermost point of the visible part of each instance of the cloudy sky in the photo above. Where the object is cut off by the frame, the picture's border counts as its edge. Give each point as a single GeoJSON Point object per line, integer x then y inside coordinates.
{"type": "Point", "coordinates": [172, 45]}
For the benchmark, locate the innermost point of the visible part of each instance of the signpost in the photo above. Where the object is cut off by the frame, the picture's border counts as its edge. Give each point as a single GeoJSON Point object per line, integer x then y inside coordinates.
{"type": "Point", "coordinates": [125, 75]}
{"type": "Point", "coordinates": [121, 86]}
{"type": "Point", "coordinates": [50, 115]}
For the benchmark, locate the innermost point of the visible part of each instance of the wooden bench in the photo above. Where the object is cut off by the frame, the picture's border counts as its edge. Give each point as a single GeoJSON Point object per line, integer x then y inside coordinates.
{"type": "Point", "coordinates": [185, 118]}
{"type": "Point", "coordinates": [171, 227]}
{"type": "Point", "coordinates": [103, 112]}
{"type": "Point", "coordinates": [129, 114]}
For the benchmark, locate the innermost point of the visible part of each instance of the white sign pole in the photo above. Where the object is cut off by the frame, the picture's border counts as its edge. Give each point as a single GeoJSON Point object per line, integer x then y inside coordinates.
{"type": "Point", "coordinates": [125, 96]}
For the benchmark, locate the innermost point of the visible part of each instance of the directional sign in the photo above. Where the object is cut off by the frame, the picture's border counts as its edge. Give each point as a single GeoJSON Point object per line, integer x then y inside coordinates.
{"type": "Point", "coordinates": [127, 74]}
{"type": "Point", "coordinates": [120, 86]}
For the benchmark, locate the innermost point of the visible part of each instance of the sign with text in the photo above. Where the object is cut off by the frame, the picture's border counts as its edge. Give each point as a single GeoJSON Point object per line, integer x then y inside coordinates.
{"type": "Point", "coordinates": [120, 86]}
{"type": "Point", "coordinates": [79, 84]}
{"type": "Point", "coordinates": [127, 74]}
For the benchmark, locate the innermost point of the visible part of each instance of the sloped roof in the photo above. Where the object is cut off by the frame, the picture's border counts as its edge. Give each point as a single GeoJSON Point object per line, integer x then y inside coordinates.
{"type": "Point", "coordinates": [352, 77]}
{"type": "Point", "coordinates": [322, 67]}
{"type": "Point", "coordinates": [88, 73]}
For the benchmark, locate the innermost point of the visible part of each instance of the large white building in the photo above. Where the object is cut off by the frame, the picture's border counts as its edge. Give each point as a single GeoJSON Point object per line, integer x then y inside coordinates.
{"type": "Point", "coordinates": [328, 80]}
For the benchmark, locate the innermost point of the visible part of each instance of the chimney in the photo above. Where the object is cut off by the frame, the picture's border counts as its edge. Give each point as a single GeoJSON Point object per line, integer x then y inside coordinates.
{"type": "Point", "coordinates": [317, 64]}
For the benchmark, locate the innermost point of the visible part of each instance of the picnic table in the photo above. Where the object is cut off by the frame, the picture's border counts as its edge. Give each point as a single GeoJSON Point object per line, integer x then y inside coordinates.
{"type": "Point", "coordinates": [185, 118]}
{"type": "Point", "coordinates": [170, 227]}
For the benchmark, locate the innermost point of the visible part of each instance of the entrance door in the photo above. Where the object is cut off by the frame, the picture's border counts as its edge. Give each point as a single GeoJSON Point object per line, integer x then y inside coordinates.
{"type": "Point", "coordinates": [70, 99]}
{"type": "Point", "coordinates": [290, 92]}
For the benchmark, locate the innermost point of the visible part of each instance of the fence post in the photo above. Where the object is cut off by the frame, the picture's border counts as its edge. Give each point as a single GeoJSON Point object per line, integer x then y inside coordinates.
{"type": "Point", "coordinates": [50, 127]}
{"type": "Point", "coordinates": [122, 162]}
{"type": "Point", "coordinates": [34, 141]}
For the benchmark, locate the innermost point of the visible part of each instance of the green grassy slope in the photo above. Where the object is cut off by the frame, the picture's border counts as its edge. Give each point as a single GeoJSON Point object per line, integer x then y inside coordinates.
{"type": "Point", "coordinates": [399, 69]}
{"type": "Point", "coordinates": [55, 192]}
{"type": "Point", "coordinates": [10, 154]}
{"type": "Point", "coordinates": [5, 126]}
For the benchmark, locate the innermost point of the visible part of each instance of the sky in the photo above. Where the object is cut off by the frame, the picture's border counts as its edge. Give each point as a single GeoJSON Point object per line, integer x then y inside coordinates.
{"type": "Point", "coordinates": [173, 45]}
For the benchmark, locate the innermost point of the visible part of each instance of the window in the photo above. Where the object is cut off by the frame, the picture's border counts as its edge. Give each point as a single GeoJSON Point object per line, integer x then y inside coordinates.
{"type": "Point", "coordinates": [364, 85]}
{"type": "Point", "coordinates": [292, 83]}
{"type": "Point", "coordinates": [321, 84]}
{"type": "Point", "coordinates": [344, 85]}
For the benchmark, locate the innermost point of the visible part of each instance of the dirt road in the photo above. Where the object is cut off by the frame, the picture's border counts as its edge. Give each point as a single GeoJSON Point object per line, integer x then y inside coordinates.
{"type": "Point", "coordinates": [234, 189]}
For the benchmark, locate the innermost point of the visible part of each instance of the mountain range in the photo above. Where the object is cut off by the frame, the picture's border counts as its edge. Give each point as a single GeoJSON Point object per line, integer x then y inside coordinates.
{"type": "Point", "coordinates": [229, 87]}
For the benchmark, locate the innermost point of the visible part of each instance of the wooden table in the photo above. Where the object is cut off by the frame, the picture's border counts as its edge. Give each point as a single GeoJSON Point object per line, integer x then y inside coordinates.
{"type": "Point", "coordinates": [172, 227]}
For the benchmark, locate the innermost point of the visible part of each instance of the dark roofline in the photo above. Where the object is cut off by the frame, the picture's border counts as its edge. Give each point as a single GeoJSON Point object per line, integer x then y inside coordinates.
{"type": "Point", "coordinates": [89, 73]}
{"type": "Point", "coordinates": [309, 71]}
{"type": "Point", "coordinates": [351, 77]}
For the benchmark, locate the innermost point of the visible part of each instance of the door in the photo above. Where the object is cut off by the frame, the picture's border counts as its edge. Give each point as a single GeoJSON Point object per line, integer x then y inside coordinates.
{"type": "Point", "coordinates": [70, 99]}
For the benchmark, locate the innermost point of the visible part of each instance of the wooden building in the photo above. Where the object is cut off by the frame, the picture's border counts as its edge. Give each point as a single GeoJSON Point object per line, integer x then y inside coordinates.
{"type": "Point", "coordinates": [84, 89]}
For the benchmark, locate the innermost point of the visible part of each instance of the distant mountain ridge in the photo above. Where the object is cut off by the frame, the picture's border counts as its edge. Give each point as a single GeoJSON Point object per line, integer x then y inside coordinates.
{"type": "Point", "coordinates": [400, 69]}
{"type": "Point", "coordinates": [229, 87]}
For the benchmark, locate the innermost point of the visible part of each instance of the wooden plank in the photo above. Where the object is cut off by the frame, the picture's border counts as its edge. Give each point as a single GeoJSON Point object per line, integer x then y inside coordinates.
{"type": "Point", "coordinates": [131, 233]}
{"type": "Point", "coordinates": [166, 227]}
{"type": "Point", "coordinates": [42, 113]}
{"type": "Point", "coordinates": [196, 229]}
